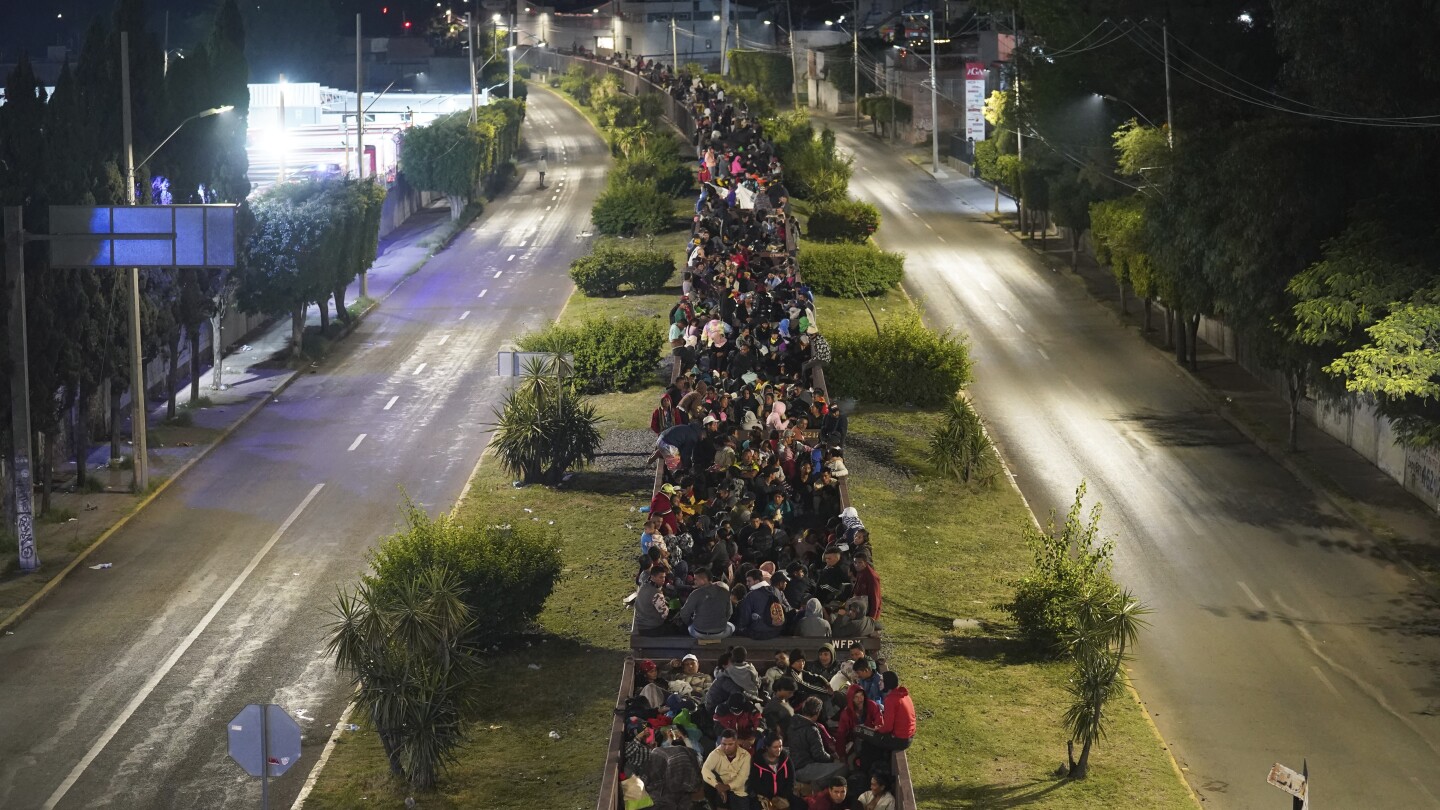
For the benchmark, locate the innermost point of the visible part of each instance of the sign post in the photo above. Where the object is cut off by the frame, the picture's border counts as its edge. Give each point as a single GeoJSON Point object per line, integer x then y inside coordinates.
{"type": "Point", "coordinates": [1296, 784]}
{"type": "Point", "coordinates": [265, 741]}
{"type": "Point", "coordinates": [975, 102]}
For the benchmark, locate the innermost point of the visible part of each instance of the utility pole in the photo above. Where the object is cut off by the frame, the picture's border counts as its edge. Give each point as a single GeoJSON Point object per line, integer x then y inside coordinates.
{"type": "Point", "coordinates": [724, 27]}
{"type": "Point", "coordinates": [165, 48]}
{"type": "Point", "coordinates": [474, 93]}
{"type": "Point", "coordinates": [1169, 124]}
{"type": "Point", "coordinates": [855, 58]}
{"type": "Point", "coordinates": [934, 106]}
{"type": "Point", "coordinates": [510, 40]}
{"type": "Point", "coordinates": [284, 146]}
{"type": "Point", "coordinates": [360, 131]}
{"type": "Point", "coordinates": [21, 480]}
{"type": "Point", "coordinates": [1019, 126]}
{"type": "Point", "coordinates": [674, 48]}
{"type": "Point", "coordinates": [137, 369]}
{"type": "Point", "coordinates": [794, 77]}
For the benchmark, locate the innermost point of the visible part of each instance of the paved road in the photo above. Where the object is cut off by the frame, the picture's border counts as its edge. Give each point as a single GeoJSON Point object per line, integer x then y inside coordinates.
{"type": "Point", "coordinates": [1279, 634]}
{"type": "Point", "coordinates": [116, 691]}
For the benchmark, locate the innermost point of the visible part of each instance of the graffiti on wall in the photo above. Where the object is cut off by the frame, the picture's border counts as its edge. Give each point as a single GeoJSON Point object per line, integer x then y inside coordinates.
{"type": "Point", "coordinates": [1422, 474]}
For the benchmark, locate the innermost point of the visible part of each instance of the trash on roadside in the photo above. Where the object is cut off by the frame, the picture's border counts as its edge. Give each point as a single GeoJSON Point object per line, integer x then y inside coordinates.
{"type": "Point", "coordinates": [528, 509]}
{"type": "Point", "coordinates": [552, 523]}
{"type": "Point", "coordinates": [72, 520]}
{"type": "Point", "coordinates": [102, 566]}
{"type": "Point", "coordinates": [554, 735]}
{"type": "Point", "coordinates": [534, 666]}
{"type": "Point", "coordinates": [352, 727]}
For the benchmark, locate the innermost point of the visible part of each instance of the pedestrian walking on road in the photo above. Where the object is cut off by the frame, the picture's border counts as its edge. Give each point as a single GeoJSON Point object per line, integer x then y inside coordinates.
{"type": "Point", "coordinates": [542, 169]}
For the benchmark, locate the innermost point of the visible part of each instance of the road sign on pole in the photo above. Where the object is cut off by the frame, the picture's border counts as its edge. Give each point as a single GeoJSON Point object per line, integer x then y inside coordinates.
{"type": "Point", "coordinates": [265, 741]}
{"type": "Point", "coordinates": [1296, 784]}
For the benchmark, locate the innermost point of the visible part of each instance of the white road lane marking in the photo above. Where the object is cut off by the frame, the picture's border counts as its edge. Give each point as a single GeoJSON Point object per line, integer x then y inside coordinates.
{"type": "Point", "coordinates": [941, 238]}
{"type": "Point", "coordinates": [464, 314]}
{"type": "Point", "coordinates": [931, 227]}
{"type": "Point", "coordinates": [1253, 598]}
{"type": "Point", "coordinates": [497, 275]}
{"type": "Point", "coordinates": [1326, 681]}
{"type": "Point", "coordinates": [548, 207]}
{"type": "Point", "coordinates": [357, 441]}
{"type": "Point", "coordinates": [1042, 353]}
{"type": "Point", "coordinates": [482, 294]}
{"type": "Point", "coordinates": [1021, 328]}
{"type": "Point", "coordinates": [512, 258]}
{"type": "Point", "coordinates": [444, 338]}
{"type": "Point", "coordinates": [419, 368]}
{"type": "Point", "coordinates": [159, 674]}
{"type": "Point", "coordinates": [391, 403]}
{"type": "Point", "coordinates": [522, 242]}
{"type": "Point", "coordinates": [1425, 790]}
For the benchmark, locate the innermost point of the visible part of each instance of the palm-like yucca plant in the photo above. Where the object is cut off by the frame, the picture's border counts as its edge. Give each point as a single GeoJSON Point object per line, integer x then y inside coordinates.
{"type": "Point", "coordinates": [1108, 621]}
{"type": "Point", "coordinates": [402, 645]}
{"type": "Point", "coordinates": [960, 447]}
{"type": "Point", "coordinates": [544, 427]}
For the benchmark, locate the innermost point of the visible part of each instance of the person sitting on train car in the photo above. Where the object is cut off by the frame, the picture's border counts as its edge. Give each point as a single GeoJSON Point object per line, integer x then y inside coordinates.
{"type": "Point", "coordinates": [687, 670]}
{"type": "Point", "coordinates": [812, 749]}
{"type": "Point", "coordinates": [867, 582]}
{"type": "Point", "coordinates": [808, 684]}
{"type": "Point", "coordinates": [649, 686]}
{"type": "Point", "coordinates": [896, 729]}
{"type": "Point", "coordinates": [812, 622]}
{"type": "Point", "coordinates": [868, 679]}
{"type": "Point", "coordinates": [833, 795]}
{"type": "Point", "coordinates": [738, 713]}
{"type": "Point", "coordinates": [737, 676]}
{"type": "Point", "coordinates": [797, 591]}
{"type": "Point", "coordinates": [763, 613]}
{"type": "Point", "coordinates": [859, 711]}
{"type": "Point", "coordinates": [833, 584]}
{"type": "Point", "coordinates": [853, 623]}
{"type": "Point", "coordinates": [706, 614]}
{"type": "Point", "coordinates": [726, 772]}
{"type": "Point", "coordinates": [672, 776]}
{"type": "Point", "coordinates": [772, 775]}
{"type": "Point", "coordinates": [834, 425]}
{"type": "Point", "coordinates": [778, 709]}
{"type": "Point", "coordinates": [778, 668]}
{"type": "Point", "coordinates": [881, 795]}
{"type": "Point", "coordinates": [825, 665]}
{"type": "Point", "coordinates": [824, 497]}
{"type": "Point", "coordinates": [662, 508]}
{"type": "Point", "coordinates": [652, 609]}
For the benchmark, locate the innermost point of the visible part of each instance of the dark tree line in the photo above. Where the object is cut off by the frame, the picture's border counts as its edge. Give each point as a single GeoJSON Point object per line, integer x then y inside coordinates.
{"type": "Point", "coordinates": [65, 149]}
{"type": "Point", "coordinates": [1297, 201]}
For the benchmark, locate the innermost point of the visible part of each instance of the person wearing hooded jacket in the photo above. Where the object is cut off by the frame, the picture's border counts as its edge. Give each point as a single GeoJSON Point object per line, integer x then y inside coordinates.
{"type": "Point", "coordinates": [807, 737]}
{"type": "Point", "coordinates": [753, 617]}
{"type": "Point", "coordinates": [896, 729]}
{"type": "Point", "coordinates": [771, 774]}
{"type": "Point", "coordinates": [813, 624]}
{"type": "Point", "coordinates": [859, 711]}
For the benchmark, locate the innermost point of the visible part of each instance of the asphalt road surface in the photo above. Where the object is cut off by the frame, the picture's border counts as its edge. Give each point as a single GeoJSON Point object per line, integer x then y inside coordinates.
{"type": "Point", "coordinates": [1279, 634]}
{"type": "Point", "coordinates": [116, 691]}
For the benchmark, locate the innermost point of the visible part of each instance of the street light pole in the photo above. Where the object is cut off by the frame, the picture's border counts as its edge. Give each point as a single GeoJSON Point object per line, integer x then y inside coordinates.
{"type": "Point", "coordinates": [674, 48]}
{"type": "Point", "coordinates": [283, 145]}
{"type": "Point", "coordinates": [137, 370]}
{"type": "Point", "coordinates": [934, 106]}
{"type": "Point", "coordinates": [855, 58]}
{"type": "Point", "coordinates": [474, 93]}
{"type": "Point", "coordinates": [1169, 125]}
{"type": "Point", "coordinates": [510, 52]}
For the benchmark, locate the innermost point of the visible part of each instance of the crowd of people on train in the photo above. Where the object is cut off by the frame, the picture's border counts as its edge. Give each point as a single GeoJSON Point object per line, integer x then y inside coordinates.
{"type": "Point", "coordinates": [749, 535]}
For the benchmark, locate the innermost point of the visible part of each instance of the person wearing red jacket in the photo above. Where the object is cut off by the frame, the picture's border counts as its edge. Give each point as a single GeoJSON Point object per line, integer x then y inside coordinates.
{"type": "Point", "coordinates": [867, 584]}
{"type": "Point", "coordinates": [859, 711]}
{"type": "Point", "coordinates": [896, 729]}
{"type": "Point", "coordinates": [662, 508]}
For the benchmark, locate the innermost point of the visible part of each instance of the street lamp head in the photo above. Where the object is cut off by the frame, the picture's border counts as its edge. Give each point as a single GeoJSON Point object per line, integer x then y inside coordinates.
{"type": "Point", "coordinates": [495, 17]}
{"type": "Point", "coordinates": [282, 79]}
{"type": "Point", "coordinates": [829, 22]}
{"type": "Point", "coordinates": [217, 110]}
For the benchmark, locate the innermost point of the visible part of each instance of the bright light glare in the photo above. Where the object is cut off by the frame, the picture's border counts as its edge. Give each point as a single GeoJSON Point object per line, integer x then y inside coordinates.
{"type": "Point", "coordinates": [1245, 18]}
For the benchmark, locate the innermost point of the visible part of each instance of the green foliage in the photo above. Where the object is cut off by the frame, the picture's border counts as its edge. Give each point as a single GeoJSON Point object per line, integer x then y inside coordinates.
{"type": "Point", "coordinates": [1070, 561]}
{"type": "Point", "coordinates": [843, 221]}
{"type": "Point", "coordinates": [1140, 150]}
{"type": "Point", "coordinates": [402, 640]}
{"type": "Point", "coordinates": [284, 264]}
{"type": "Point", "coordinates": [849, 270]}
{"type": "Point", "coordinates": [654, 160]}
{"type": "Point", "coordinates": [577, 84]}
{"type": "Point", "coordinates": [1117, 230]}
{"type": "Point", "coordinates": [610, 266]}
{"type": "Point", "coordinates": [1108, 621]}
{"type": "Point", "coordinates": [906, 363]}
{"type": "Point", "coordinates": [453, 157]}
{"type": "Point", "coordinates": [960, 447]}
{"type": "Point", "coordinates": [629, 206]}
{"type": "Point", "coordinates": [887, 109]}
{"type": "Point", "coordinates": [544, 428]}
{"type": "Point", "coordinates": [768, 74]}
{"type": "Point", "coordinates": [814, 169]}
{"type": "Point", "coordinates": [610, 355]}
{"type": "Point", "coordinates": [505, 573]}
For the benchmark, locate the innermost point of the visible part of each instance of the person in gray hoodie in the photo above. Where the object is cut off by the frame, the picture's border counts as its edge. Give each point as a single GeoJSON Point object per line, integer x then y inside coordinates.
{"type": "Point", "coordinates": [707, 611]}
{"type": "Point", "coordinates": [813, 623]}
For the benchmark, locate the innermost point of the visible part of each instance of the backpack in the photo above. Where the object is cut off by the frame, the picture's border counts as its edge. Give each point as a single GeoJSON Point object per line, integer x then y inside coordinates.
{"type": "Point", "coordinates": [776, 610]}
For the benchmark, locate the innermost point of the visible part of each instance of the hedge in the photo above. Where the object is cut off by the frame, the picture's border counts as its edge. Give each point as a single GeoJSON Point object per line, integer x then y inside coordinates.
{"type": "Point", "coordinates": [659, 164]}
{"type": "Point", "coordinates": [610, 266]}
{"type": "Point", "coordinates": [906, 364]}
{"type": "Point", "coordinates": [847, 270]}
{"type": "Point", "coordinates": [843, 221]}
{"type": "Point", "coordinates": [610, 355]}
{"type": "Point", "coordinates": [629, 206]}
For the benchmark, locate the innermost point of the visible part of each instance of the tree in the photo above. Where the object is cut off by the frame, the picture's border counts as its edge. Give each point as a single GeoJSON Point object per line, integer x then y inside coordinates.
{"type": "Point", "coordinates": [1108, 621]}
{"type": "Point", "coordinates": [284, 266]}
{"type": "Point", "coordinates": [1069, 561]}
{"type": "Point", "coordinates": [1117, 231]}
{"type": "Point", "coordinates": [403, 646]}
{"type": "Point", "coordinates": [960, 447]}
{"type": "Point", "coordinates": [544, 428]}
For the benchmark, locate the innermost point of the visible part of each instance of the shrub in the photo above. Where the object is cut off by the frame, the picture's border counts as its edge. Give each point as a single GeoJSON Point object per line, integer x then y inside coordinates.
{"type": "Point", "coordinates": [506, 574]}
{"type": "Point", "coordinates": [814, 169]}
{"type": "Point", "coordinates": [577, 84]}
{"type": "Point", "coordinates": [843, 221]}
{"type": "Point", "coordinates": [1070, 561]}
{"type": "Point", "coordinates": [657, 163]}
{"type": "Point", "coordinates": [544, 427]}
{"type": "Point", "coordinates": [960, 448]}
{"type": "Point", "coordinates": [628, 207]}
{"type": "Point", "coordinates": [846, 271]}
{"type": "Point", "coordinates": [905, 364]}
{"type": "Point", "coordinates": [610, 266]}
{"type": "Point", "coordinates": [610, 355]}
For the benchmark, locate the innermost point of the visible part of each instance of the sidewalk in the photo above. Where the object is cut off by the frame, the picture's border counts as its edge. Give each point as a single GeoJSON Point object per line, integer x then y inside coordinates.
{"type": "Point", "coordinates": [1400, 525]}
{"type": "Point", "coordinates": [79, 522]}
